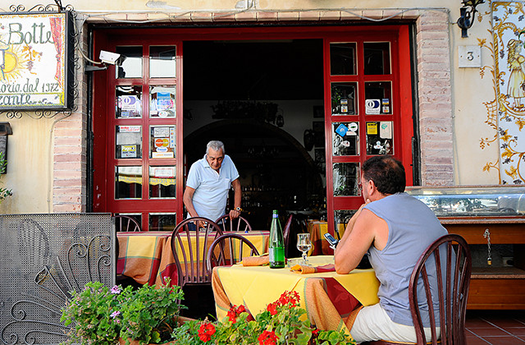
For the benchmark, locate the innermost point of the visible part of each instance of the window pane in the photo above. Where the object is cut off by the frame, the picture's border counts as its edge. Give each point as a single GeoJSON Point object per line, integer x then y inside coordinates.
{"type": "Point", "coordinates": [162, 182]}
{"type": "Point", "coordinates": [131, 67]}
{"type": "Point", "coordinates": [162, 141]}
{"type": "Point", "coordinates": [341, 219]}
{"type": "Point", "coordinates": [342, 58]}
{"type": "Point", "coordinates": [128, 182]}
{"type": "Point", "coordinates": [377, 58]}
{"type": "Point", "coordinates": [378, 98]}
{"type": "Point", "coordinates": [346, 179]}
{"type": "Point", "coordinates": [162, 101]}
{"type": "Point", "coordinates": [162, 62]}
{"type": "Point", "coordinates": [345, 138]}
{"type": "Point", "coordinates": [379, 136]}
{"type": "Point", "coordinates": [162, 221]}
{"type": "Point", "coordinates": [129, 104]}
{"type": "Point", "coordinates": [344, 98]}
{"type": "Point", "coordinates": [128, 142]}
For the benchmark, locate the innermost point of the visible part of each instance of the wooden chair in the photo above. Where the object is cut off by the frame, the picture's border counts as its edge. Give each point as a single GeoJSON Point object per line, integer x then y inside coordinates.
{"type": "Point", "coordinates": [190, 255]}
{"type": "Point", "coordinates": [126, 223]}
{"type": "Point", "coordinates": [229, 249]}
{"type": "Point", "coordinates": [286, 234]}
{"type": "Point", "coordinates": [229, 224]}
{"type": "Point", "coordinates": [449, 259]}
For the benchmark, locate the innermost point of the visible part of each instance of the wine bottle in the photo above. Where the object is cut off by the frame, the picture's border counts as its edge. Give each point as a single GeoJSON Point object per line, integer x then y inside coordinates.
{"type": "Point", "coordinates": [276, 245]}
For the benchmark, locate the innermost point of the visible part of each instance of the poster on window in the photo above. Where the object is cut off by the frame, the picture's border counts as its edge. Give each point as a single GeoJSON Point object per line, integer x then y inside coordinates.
{"type": "Point", "coordinates": [34, 61]}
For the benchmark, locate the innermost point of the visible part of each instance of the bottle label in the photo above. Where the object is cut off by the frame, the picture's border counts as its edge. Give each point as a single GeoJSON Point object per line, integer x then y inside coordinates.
{"type": "Point", "coordinates": [275, 215]}
{"type": "Point", "coordinates": [276, 256]}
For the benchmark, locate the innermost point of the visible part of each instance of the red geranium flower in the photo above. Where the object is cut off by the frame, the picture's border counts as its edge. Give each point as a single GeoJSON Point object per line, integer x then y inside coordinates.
{"type": "Point", "coordinates": [267, 338]}
{"type": "Point", "coordinates": [272, 308]}
{"type": "Point", "coordinates": [206, 330]}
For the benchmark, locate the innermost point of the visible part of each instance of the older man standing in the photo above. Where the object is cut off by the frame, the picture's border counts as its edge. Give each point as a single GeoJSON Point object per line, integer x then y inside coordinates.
{"type": "Point", "coordinates": [208, 183]}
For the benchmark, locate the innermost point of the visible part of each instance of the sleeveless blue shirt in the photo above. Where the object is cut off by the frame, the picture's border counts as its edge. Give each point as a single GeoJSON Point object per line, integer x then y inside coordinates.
{"type": "Point", "coordinates": [412, 227]}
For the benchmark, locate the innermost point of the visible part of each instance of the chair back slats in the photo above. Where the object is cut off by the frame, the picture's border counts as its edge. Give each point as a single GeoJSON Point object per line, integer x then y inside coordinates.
{"type": "Point", "coordinates": [449, 259]}
{"type": "Point", "coordinates": [235, 245]}
{"type": "Point", "coordinates": [189, 244]}
{"type": "Point", "coordinates": [227, 223]}
{"type": "Point", "coordinates": [125, 223]}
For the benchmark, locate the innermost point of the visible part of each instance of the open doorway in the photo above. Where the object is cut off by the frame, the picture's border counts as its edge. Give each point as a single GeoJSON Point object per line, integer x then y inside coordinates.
{"type": "Point", "coordinates": [264, 100]}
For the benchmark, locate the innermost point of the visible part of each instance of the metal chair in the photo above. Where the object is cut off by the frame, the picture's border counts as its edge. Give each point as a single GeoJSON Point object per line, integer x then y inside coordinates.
{"type": "Point", "coordinates": [190, 248]}
{"type": "Point", "coordinates": [126, 223]}
{"type": "Point", "coordinates": [448, 259]}
{"type": "Point", "coordinates": [233, 224]}
{"type": "Point", "coordinates": [228, 249]}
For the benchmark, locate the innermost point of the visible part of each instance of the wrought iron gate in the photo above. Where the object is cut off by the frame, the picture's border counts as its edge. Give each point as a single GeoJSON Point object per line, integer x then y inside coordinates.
{"type": "Point", "coordinates": [42, 258]}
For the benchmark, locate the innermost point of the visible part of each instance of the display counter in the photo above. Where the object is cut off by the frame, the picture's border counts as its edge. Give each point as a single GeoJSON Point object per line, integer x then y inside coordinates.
{"type": "Point", "coordinates": [489, 218]}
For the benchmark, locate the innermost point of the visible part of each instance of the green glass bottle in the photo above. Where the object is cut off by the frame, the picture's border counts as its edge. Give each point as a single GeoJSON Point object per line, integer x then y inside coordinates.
{"type": "Point", "coordinates": [276, 245]}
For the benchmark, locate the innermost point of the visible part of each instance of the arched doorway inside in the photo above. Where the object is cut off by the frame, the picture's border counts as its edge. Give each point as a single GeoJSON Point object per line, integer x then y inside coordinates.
{"type": "Point", "coordinates": [276, 171]}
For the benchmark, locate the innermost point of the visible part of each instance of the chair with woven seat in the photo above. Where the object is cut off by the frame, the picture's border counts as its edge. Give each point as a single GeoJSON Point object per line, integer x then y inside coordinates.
{"type": "Point", "coordinates": [449, 259]}
{"type": "Point", "coordinates": [233, 224]}
{"type": "Point", "coordinates": [229, 249]}
{"type": "Point", "coordinates": [190, 247]}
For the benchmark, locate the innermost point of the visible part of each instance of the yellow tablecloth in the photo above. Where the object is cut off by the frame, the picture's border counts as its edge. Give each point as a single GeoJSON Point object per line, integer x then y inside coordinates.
{"type": "Point", "coordinates": [147, 256]}
{"type": "Point", "coordinates": [256, 287]}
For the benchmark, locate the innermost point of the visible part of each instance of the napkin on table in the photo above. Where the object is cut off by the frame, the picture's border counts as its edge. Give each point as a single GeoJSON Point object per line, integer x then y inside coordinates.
{"type": "Point", "coordinates": [256, 260]}
{"type": "Point", "coordinates": [303, 269]}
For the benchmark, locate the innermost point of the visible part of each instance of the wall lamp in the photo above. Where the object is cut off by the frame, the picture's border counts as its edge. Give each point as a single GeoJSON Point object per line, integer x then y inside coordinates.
{"type": "Point", "coordinates": [467, 15]}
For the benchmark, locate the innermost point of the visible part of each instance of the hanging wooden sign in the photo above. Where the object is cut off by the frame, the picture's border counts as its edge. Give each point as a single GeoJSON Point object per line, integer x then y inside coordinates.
{"type": "Point", "coordinates": [35, 55]}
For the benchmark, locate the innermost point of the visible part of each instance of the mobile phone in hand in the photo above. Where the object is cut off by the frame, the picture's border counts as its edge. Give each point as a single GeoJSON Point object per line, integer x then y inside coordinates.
{"type": "Point", "coordinates": [331, 240]}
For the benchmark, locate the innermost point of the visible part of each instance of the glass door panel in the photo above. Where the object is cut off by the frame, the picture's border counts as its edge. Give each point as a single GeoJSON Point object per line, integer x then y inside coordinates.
{"type": "Point", "coordinates": [131, 65]}
{"type": "Point", "coordinates": [344, 97]}
{"type": "Point", "coordinates": [162, 101]}
{"type": "Point", "coordinates": [162, 182]}
{"type": "Point", "coordinates": [162, 221]}
{"type": "Point", "coordinates": [162, 62]}
{"type": "Point", "coordinates": [345, 138]}
{"type": "Point", "coordinates": [343, 58]}
{"type": "Point", "coordinates": [378, 97]}
{"type": "Point", "coordinates": [128, 182]}
{"type": "Point", "coordinates": [128, 142]}
{"type": "Point", "coordinates": [129, 102]}
{"type": "Point", "coordinates": [346, 179]}
{"type": "Point", "coordinates": [379, 138]}
{"type": "Point", "coordinates": [377, 58]}
{"type": "Point", "coordinates": [162, 141]}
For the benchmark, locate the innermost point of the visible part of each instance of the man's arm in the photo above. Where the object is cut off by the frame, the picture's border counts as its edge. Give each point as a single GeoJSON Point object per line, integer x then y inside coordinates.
{"type": "Point", "coordinates": [359, 236]}
{"type": "Point", "coordinates": [188, 201]}
{"type": "Point", "coordinates": [237, 199]}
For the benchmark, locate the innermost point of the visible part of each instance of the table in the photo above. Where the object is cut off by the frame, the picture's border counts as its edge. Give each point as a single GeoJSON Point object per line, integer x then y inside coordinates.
{"type": "Point", "coordinates": [329, 298]}
{"type": "Point", "coordinates": [317, 229]}
{"type": "Point", "coordinates": [147, 257]}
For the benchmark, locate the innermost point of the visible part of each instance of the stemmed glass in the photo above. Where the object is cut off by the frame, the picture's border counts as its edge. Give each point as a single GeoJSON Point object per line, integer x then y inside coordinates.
{"type": "Point", "coordinates": [304, 244]}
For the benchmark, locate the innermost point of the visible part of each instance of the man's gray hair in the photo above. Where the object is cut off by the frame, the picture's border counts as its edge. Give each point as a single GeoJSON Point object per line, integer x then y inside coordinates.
{"type": "Point", "coordinates": [216, 145]}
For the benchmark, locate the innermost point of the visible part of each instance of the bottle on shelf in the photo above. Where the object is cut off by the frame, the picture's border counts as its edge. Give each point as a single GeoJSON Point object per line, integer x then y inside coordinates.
{"type": "Point", "coordinates": [276, 243]}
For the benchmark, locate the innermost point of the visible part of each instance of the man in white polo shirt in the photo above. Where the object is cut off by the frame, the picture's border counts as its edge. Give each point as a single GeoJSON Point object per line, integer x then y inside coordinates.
{"type": "Point", "coordinates": [208, 183]}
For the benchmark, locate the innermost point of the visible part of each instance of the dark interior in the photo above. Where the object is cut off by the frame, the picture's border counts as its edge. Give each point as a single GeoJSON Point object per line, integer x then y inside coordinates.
{"type": "Point", "coordinates": [247, 79]}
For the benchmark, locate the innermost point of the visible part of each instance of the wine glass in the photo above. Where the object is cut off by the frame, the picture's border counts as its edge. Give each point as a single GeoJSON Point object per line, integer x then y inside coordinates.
{"type": "Point", "coordinates": [304, 244]}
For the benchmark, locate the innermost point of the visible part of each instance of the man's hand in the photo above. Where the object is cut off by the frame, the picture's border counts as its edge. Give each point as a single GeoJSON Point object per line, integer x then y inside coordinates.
{"type": "Point", "coordinates": [234, 214]}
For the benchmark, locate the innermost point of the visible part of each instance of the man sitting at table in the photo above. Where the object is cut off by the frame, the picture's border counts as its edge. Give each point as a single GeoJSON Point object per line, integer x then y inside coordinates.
{"type": "Point", "coordinates": [394, 229]}
{"type": "Point", "coordinates": [209, 182]}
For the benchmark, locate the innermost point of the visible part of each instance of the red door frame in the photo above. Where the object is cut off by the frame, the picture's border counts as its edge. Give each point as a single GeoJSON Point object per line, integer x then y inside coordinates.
{"type": "Point", "coordinates": [107, 39]}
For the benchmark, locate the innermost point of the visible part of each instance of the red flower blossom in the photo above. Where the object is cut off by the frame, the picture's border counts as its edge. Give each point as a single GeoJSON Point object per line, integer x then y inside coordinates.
{"type": "Point", "coordinates": [236, 311]}
{"type": "Point", "coordinates": [272, 308]}
{"type": "Point", "coordinates": [206, 330]}
{"type": "Point", "coordinates": [268, 338]}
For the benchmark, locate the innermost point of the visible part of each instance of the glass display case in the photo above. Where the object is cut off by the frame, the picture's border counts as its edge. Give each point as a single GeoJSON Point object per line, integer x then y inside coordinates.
{"type": "Point", "coordinates": [472, 201]}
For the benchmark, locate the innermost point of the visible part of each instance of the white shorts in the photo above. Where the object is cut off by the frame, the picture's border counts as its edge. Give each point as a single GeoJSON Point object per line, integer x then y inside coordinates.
{"type": "Point", "coordinates": [373, 323]}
